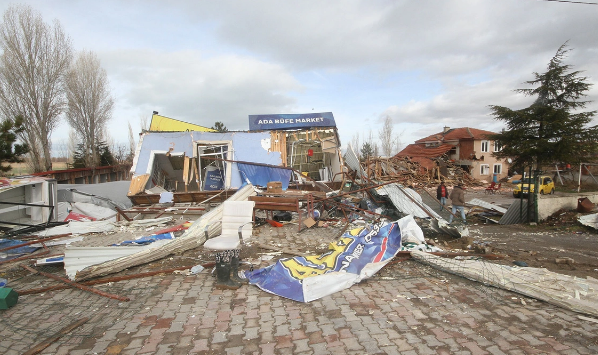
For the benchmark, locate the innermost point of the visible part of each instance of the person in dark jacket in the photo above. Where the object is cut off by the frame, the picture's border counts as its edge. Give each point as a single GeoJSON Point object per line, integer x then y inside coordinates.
{"type": "Point", "coordinates": [442, 194]}
{"type": "Point", "coordinates": [458, 202]}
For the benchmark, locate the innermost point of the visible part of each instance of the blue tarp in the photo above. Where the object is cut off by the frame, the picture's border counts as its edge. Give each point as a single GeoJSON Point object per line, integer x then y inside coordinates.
{"type": "Point", "coordinates": [146, 239]}
{"type": "Point", "coordinates": [13, 253]}
{"type": "Point", "coordinates": [358, 254]}
{"type": "Point", "coordinates": [262, 175]}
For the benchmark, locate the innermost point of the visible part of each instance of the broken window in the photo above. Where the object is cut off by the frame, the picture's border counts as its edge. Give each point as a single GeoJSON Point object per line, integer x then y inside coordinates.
{"type": "Point", "coordinates": [484, 169]}
{"type": "Point", "coordinates": [307, 157]}
{"type": "Point", "coordinates": [214, 171]}
{"type": "Point", "coordinates": [165, 170]}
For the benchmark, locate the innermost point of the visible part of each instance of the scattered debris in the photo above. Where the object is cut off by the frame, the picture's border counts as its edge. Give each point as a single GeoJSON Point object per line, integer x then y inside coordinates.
{"type": "Point", "coordinates": [565, 260]}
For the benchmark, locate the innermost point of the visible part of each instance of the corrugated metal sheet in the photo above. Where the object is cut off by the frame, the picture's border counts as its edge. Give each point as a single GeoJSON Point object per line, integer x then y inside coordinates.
{"type": "Point", "coordinates": [487, 205]}
{"type": "Point", "coordinates": [399, 198]}
{"type": "Point", "coordinates": [75, 228]}
{"type": "Point", "coordinates": [590, 220]}
{"type": "Point", "coordinates": [352, 161]}
{"type": "Point", "coordinates": [513, 216]}
{"type": "Point", "coordinates": [78, 258]}
{"type": "Point", "coordinates": [193, 237]}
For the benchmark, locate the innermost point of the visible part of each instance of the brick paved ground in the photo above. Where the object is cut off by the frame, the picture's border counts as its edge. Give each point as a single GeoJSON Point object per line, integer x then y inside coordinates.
{"type": "Point", "coordinates": [407, 308]}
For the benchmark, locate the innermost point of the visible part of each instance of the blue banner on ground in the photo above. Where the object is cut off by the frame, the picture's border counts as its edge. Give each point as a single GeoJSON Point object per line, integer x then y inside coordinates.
{"type": "Point", "coordinates": [291, 121]}
{"type": "Point", "coordinates": [357, 255]}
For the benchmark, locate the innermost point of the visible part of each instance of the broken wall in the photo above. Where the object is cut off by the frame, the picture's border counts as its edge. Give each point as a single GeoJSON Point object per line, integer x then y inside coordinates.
{"type": "Point", "coordinates": [251, 147]}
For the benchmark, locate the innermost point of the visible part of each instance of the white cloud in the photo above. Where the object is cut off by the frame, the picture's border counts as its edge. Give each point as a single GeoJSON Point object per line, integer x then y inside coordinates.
{"type": "Point", "coordinates": [185, 86]}
{"type": "Point", "coordinates": [426, 63]}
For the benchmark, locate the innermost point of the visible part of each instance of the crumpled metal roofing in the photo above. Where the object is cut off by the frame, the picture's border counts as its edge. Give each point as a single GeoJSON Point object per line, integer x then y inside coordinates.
{"type": "Point", "coordinates": [590, 220]}
{"type": "Point", "coordinates": [517, 213]}
{"type": "Point", "coordinates": [487, 205]}
{"type": "Point", "coordinates": [400, 199]}
{"type": "Point", "coordinates": [352, 161]}
{"type": "Point", "coordinates": [76, 228]}
{"type": "Point", "coordinates": [419, 150]}
{"type": "Point", "coordinates": [78, 258]}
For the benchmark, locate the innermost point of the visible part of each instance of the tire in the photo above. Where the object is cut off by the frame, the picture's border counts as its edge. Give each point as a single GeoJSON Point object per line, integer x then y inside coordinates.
{"type": "Point", "coordinates": [541, 192]}
{"type": "Point", "coordinates": [552, 191]}
{"type": "Point", "coordinates": [515, 195]}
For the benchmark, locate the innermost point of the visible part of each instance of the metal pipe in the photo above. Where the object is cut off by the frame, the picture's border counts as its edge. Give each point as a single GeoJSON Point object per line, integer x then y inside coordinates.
{"type": "Point", "coordinates": [111, 279]}
{"type": "Point", "coordinates": [26, 257]}
{"type": "Point", "coordinates": [36, 241]}
{"type": "Point", "coordinates": [77, 285]}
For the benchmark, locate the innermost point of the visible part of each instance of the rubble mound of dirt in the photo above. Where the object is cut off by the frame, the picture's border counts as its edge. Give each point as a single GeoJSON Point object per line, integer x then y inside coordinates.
{"type": "Point", "coordinates": [563, 218]}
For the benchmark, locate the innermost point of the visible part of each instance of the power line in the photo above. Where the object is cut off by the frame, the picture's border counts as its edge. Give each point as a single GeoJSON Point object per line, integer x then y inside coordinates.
{"type": "Point", "coordinates": [574, 2]}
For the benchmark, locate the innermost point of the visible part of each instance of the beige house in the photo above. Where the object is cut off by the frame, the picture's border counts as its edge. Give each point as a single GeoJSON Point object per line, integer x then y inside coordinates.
{"type": "Point", "coordinates": [466, 147]}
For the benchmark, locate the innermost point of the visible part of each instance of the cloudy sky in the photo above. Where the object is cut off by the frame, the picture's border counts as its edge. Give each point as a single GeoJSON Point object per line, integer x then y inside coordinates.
{"type": "Point", "coordinates": [424, 63]}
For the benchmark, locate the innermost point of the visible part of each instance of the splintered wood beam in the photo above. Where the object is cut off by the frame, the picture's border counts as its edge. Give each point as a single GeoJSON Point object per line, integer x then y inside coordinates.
{"type": "Point", "coordinates": [186, 172]}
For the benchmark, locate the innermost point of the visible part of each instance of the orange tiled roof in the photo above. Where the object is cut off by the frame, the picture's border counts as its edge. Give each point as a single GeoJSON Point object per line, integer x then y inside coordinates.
{"type": "Point", "coordinates": [418, 150]}
{"type": "Point", "coordinates": [457, 134]}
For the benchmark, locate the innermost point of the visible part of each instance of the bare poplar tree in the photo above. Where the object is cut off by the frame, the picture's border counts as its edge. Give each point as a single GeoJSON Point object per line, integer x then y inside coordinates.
{"type": "Point", "coordinates": [355, 144]}
{"type": "Point", "coordinates": [143, 123]}
{"type": "Point", "coordinates": [387, 140]}
{"type": "Point", "coordinates": [73, 141]}
{"type": "Point", "coordinates": [35, 57]}
{"type": "Point", "coordinates": [89, 103]}
{"type": "Point", "coordinates": [373, 145]}
{"type": "Point", "coordinates": [132, 143]}
{"type": "Point", "coordinates": [61, 149]}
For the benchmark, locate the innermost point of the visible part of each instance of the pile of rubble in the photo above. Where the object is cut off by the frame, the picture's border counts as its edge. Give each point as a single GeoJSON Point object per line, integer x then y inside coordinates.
{"type": "Point", "coordinates": [411, 173]}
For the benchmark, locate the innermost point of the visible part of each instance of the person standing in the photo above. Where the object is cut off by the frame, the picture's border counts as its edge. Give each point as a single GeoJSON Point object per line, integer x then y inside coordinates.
{"type": "Point", "coordinates": [458, 202]}
{"type": "Point", "coordinates": [442, 194]}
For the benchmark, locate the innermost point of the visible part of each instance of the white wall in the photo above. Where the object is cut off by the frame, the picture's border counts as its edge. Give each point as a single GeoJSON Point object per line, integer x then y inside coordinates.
{"type": "Point", "coordinates": [548, 205]}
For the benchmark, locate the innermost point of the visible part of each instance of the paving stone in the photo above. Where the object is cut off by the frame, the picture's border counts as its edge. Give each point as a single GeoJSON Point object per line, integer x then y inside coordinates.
{"type": "Point", "coordinates": [176, 314]}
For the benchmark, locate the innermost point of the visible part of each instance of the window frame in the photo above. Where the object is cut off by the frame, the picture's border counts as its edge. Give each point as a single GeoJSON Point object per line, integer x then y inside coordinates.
{"type": "Point", "coordinates": [485, 143]}
{"type": "Point", "coordinates": [482, 166]}
{"type": "Point", "coordinates": [499, 168]}
{"type": "Point", "coordinates": [497, 147]}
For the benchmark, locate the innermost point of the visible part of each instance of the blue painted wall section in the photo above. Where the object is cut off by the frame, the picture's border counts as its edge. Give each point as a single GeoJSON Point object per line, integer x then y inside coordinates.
{"type": "Point", "coordinates": [247, 146]}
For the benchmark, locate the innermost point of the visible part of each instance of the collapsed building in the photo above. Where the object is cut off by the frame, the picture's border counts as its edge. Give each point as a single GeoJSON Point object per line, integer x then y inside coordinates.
{"type": "Point", "coordinates": [457, 150]}
{"type": "Point", "coordinates": [194, 164]}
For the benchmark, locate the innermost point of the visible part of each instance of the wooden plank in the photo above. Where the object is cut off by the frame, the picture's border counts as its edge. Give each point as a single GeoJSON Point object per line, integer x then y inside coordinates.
{"type": "Point", "coordinates": [138, 184]}
{"type": "Point", "coordinates": [284, 200]}
{"type": "Point", "coordinates": [183, 197]}
{"type": "Point", "coordinates": [186, 172]}
{"type": "Point", "coordinates": [195, 171]}
{"type": "Point", "coordinates": [275, 203]}
{"type": "Point", "coordinates": [270, 207]}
